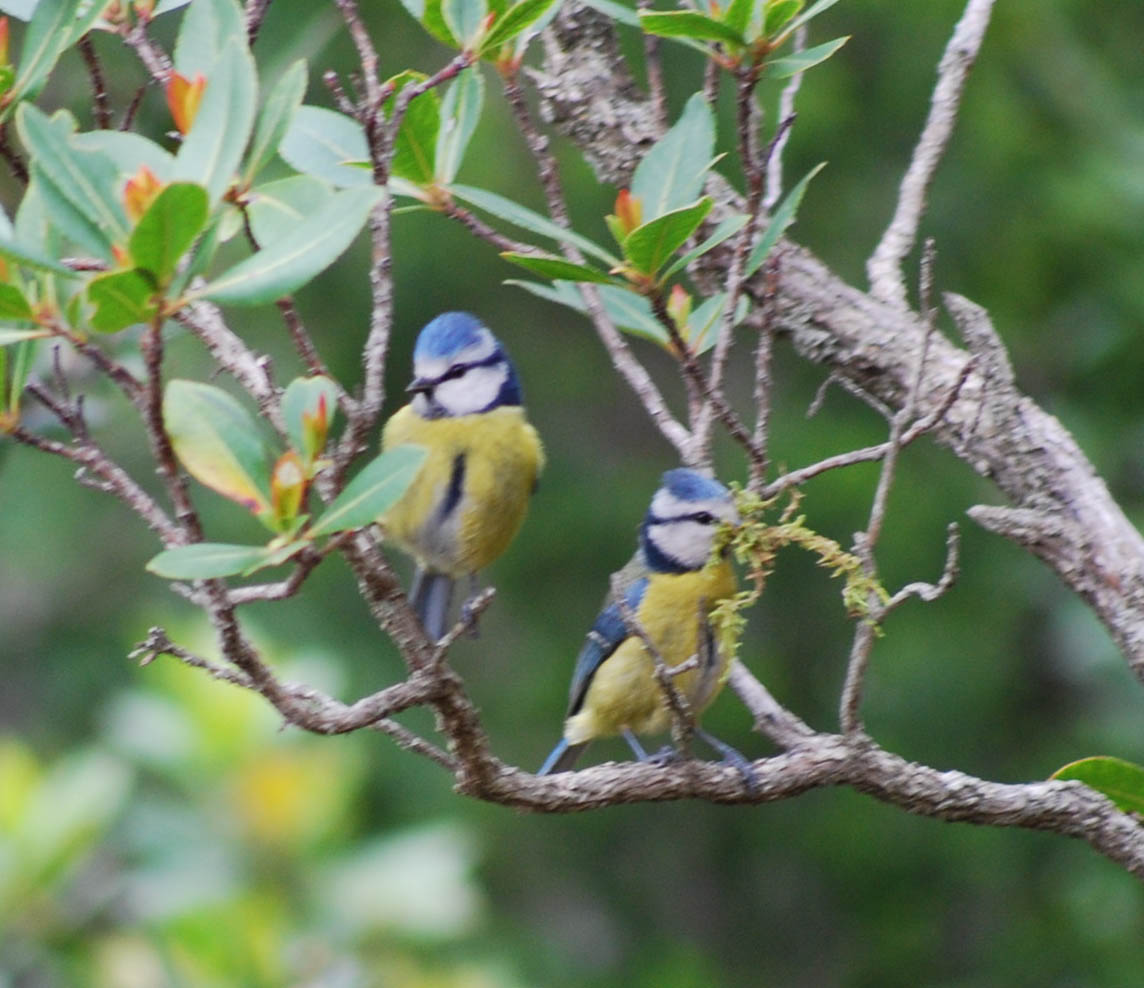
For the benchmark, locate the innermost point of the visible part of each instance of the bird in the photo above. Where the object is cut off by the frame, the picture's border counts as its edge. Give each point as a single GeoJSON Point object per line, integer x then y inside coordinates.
{"type": "Point", "coordinates": [470, 495]}
{"type": "Point", "coordinates": [669, 591]}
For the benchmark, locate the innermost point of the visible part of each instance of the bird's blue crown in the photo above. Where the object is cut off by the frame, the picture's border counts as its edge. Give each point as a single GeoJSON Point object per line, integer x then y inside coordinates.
{"type": "Point", "coordinates": [687, 485]}
{"type": "Point", "coordinates": [449, 333]}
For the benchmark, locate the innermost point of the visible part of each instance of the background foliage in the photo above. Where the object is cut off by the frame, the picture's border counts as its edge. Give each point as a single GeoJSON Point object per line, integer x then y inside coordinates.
{"type": "Point", "coordinates": [156, 827]}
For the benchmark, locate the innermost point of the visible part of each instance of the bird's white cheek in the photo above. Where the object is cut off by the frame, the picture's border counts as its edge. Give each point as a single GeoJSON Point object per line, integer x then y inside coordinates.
{"type": "Point", "coordinates": [473, 392]}
{"type": "Point", "coordinates": [686, 542]}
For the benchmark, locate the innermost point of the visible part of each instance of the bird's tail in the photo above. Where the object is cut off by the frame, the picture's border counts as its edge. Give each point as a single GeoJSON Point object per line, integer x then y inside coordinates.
{"type": "Point", "coordinates": [562, 757]}
{"type": "Point", "coordinates": [429, 597]}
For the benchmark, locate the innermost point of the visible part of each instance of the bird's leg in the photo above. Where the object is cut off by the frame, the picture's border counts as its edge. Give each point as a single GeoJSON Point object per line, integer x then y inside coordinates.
{"type": "Point", "coordinates": [733, 758]}
{"type": "Point", "coordinates": [637, 748]}
{"type": "Point", "coordinates": [468, 613]}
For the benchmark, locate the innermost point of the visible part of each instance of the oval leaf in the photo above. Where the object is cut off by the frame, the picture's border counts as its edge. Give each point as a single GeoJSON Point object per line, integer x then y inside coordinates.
{"type": "Point", "coordinates": [671, 174]}
{"type": "Point", "coordinates": [290, 262]}
{"type": "Point", "coordinates": [784, 68]}
{"type": "Point", "coordinates": [460, 112]}
{"type": "Point", "coordinates": [168, 228]}
{"type": "Point", "coordinates": [207, 560]}
{"type": "Point", "coordinates": [557, 268]}
{"type": "Point", "coordinates": [690, 24]}
{"type": "Point", "coordinates": [372, 492]}
{"type": "Point", "coordinates": [1119, 780]}
{"type": "Point", "coordinates": [650, 247]}
{"type": "Point", "coordinates": [121, 299]}
{"type": "Point", "coordinates": [218, 442]}
{"type": "Point", "coordinates": [319, 142]}
{"type": "Point", "coordinates": [415, 148]}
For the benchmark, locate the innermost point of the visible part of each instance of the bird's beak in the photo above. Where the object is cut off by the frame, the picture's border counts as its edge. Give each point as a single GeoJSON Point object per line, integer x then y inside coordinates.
{"type": "Point", "coordinates": [419, 385]}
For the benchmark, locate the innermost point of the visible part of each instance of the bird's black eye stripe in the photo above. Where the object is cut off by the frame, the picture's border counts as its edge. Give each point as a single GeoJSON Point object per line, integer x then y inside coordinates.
{"type": "Point", "coordinates": [703, 517]}
{"type": "Point", "coordinates": [459, 370]}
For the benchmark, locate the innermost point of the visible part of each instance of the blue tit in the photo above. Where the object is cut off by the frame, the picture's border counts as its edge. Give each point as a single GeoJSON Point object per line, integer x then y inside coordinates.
{"type": "Point", "coordinates": [470, 496]}
{"type": "Point", "coordinates": [614, 689]}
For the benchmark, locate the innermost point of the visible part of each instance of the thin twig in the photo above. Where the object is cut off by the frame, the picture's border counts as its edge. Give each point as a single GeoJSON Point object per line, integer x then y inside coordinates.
{"type": "Point", "coordinates": [98, 85]}
{"type": "Point", "coordinates": [163, 452]}
{"type": "Point", "coordinates": [255, 12]}
{"type": "Point", "coordinates": [154, 59]}
{"type": "Point", "coordinates": [884, 268]}
{"type": "Point", "coordinates": [17, 164]}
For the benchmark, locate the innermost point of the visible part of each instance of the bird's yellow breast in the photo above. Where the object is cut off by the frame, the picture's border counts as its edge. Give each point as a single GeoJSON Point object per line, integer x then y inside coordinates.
{"type": "Point", "coordinates": [498, 456]}
{"type": "Point", "coordinates": [624, 693]}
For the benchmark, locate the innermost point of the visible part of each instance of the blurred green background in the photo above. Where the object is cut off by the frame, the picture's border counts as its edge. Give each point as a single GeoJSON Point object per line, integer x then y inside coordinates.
{"type": "Point", "coordinates": [158, 828]}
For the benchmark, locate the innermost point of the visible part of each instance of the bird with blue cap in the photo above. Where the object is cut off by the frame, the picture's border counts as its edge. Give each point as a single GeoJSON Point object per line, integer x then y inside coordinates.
{"type": "Point", "coordinates": [470, 496]}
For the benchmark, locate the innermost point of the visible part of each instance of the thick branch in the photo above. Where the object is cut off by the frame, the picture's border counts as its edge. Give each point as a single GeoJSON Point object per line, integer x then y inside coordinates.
{"type": "Point", "coordinates": [1003, 435]}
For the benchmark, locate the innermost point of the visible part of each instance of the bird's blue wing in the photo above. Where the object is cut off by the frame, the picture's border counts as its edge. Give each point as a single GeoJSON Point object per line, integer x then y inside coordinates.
{"type": "Point", "coordinates": [603, 639]}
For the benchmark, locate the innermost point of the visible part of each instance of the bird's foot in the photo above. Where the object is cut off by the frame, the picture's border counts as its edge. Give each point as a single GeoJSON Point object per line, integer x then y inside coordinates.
{"type": "Point", "coordinates": [733, 758]}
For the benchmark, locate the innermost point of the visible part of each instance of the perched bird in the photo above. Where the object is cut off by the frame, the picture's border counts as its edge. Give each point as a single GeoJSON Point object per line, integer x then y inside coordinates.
{"type": "Point", "coordinates": [614, 689]}
{"type": "Point", "coordinates": [470, 496]}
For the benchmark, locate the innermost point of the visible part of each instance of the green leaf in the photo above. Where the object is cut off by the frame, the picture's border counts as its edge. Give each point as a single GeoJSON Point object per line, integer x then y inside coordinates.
{"type": "Point", "coordinates": [47, 36]}
{"type": "Point", "coordinates": [211, 152]}
{"type": "Point", "coordinates": [209, 560]}
{"type": "Point", "coordinates": [86, 179]}
{"type": "Point", "coordinates": [704, 323]}
{"type": "Point", "coordinates": [166, 231]}
{"type": "Point", "coordinates": [428, 14]}
{"type": "Point", "coordinates": [218, 442]}
{"type": "Point", "coordinates": [415, 149]}
{"type": "Point", "coordinates": [650, 246]}
{"type": "Point", "coordinates": [121, 299]}
{"type": "Point", "coordinates": [517, 18]}
{"type": "Point", "coordinates": [10, 336]}
{"type": "Point", "coordinates": [460, 112]}
{"type": "Point", "coordinates": [738, 15]}
{"type": "Point", "coordinates": [557, 268]}
{"type": "Point", "coordinates": [303, 397]}
{"type": "Point", "coordinates": [464, 18]}
{"type": "Point", "coordinates": [287, 264]}
{"type": "Point", "coordinates": [616, 11]}
{"type": "Point", "coordinates": [778, 13]}
{"type": "Point", "coordinates": [208, 27]}
{"type": "Point", "coordinates": [671, 174]}
{"type": "Point", "coordinates": [1119, 780]}
{"type": "Point", "coordinates": [782, 68]}
{"type": "Point", "coordinates": [728, 228]}
{"type": "Point", "coordinates": [782, 218]}
{"type": "Point", "coordinates": [13, 304]}
{"type": "Point", "coordinates": [274, 120]}
{"type": "Point", "coordinates": [319, 142]}
{"type": "Point", "coordinates": [372, 492]}
{"type": "Point", "coordinates": [277, 207]}
{"type": "Point", "coordinates": [690, 24]}
{"type": "Point", "coordinates": [526, 219]}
